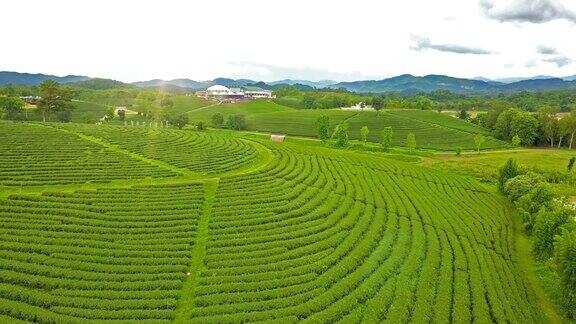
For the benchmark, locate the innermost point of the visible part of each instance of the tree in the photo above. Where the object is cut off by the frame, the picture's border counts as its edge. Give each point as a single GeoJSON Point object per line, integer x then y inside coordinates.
{"type": "Point", "coordinates": [364, 131]}
{"type": "Point", "coordinates": [387, 135]}
{"type": "Point", "coordinates": [564, 129]}
{"type": "Point", "coordinates": [377, 103]}
{"type": "Point", "coordinates": [522, 184]}
{"type": "Point", "coordinates": [549, 123]}
{"type": "Point", "coordinates": [64, 116]}
{"type": "Point", "coordinates": [200, 126]}
{"type": "Point", "coordinates": [516, 141]}
{"type": "Point", "coordinates": [547, 225]}
{"type": "Point", "coordinates": [217, 120]}
{"type": "Point", "coordinates": [508, 171]}
{"type": "Point", "coordinates": [236, 122]}
{"type": "Point", "coordinates": [458, 151]}
{"type": "Point", "coordinates": [341, 134]}
{"type": "Point", "coordinates": [424, 103]}
{"type": "Point", "coordinates": [565, 260]}
{"type": "Point", "coordinates": [167, 102]}
{"type": "Point", "coordinates": [54, 98]}
{"type": "Point", "coordinates": [411, 141]}
{"type": "Point", "coordinates": [503, 125]}
{"type": "Point", "coordinates": [110, 114]}
{"type": "Point", "coordinates": [479, 139]}
{"type": "Point", "coordinates": [529, 204]}
{"type": "Point", "coordinates": [463, 114]}
{"type": "Point", "coordinates": [121, 114]}
{"type": "Point", "coordinates": [180, 120]}
{"type": "Point", "coordinates": [525, 126]}
{"type": "Point", "coordinates": [322, 124]}
{"type": "Point", "coordinates": [11, 107]}
{"type": "Point", "coordinates": [572, 121]}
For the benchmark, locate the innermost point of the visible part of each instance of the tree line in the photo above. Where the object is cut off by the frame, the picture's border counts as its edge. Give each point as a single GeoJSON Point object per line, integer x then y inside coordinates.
{"type": "Point", "coordinates": [550, 221]}
{"type": "Point", "coordinates": [545, 127]}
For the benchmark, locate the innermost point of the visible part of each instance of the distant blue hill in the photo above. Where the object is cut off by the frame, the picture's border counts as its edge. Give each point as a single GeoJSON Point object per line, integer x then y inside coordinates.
{"type": "Point", "coordinates": [409, 83]}
{"type": "Point", "coordinates": [35, 79]}
{"type": "Point", "coordinates": [405, 84]}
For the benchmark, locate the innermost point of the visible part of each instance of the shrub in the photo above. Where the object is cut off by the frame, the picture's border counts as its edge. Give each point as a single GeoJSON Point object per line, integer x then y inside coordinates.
{"type": "Point", "coordinates": [341, 134]}
{"type": "Point", "coordinates": [529, 204]}
{"type": "Point", "coordinates": [386, 141]}
{"type": "Point", "coordinates": [217, 120]}
{"type": "Point", "coordinates": [565, 260]}
{"type": "Point", "coordinates": [322, 124]}
{"type": "Point", "coordinates": [508, 171]}
{"type": "Point", "coordinates": [411, 141]}
{"type": "Point", "coordinates": [521, 185]}
{"type": "Point", "coordinates": [548, 223]}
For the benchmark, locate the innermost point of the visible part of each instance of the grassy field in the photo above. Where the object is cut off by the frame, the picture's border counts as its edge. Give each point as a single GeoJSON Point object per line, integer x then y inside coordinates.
{"type": "Point", "coordinates": [280, 232]}
{"type": "Point", "coordinates": [432, 130]}
{"type": "Point", "coordinates": [485, 165]}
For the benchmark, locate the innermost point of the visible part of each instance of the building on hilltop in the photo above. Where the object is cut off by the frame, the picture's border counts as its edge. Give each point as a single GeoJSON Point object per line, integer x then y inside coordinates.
{"type": "Point", "coordinates": [220, 92]}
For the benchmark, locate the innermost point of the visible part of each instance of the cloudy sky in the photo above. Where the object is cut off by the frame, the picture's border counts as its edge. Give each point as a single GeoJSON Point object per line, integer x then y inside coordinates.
{"type": "Point", "coordinates": [299, 39]}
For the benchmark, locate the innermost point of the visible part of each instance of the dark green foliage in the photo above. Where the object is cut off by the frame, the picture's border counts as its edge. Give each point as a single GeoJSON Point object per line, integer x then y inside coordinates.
{"type": "Point", "coordinates": [521, 185]}
{"type": "Point", "coordinates": [571, 163]}
{"type": "Point", "coordinates": [322, 124]}
{"type": "Point", "coordinates": [217, 120]}
{"type": "Point", "coordinates": [529, 204]}
{"type": "Point", "coordinates": [122, 114]}
{"type": "Point", "coordinates": [179, 120]}
{"type": "Point", "coordinates": [411, 141]}
{"type": "Point", "coordinates": [387, 137]}
{"type": "Point", "coordinates": [63, 116]}
{"type": "Point", "coordinates": [548, 223]}
{"type": "Point", "coordinates": [200, 126]}
{"type": "Point", "coordinates": [110, 114]}
{"type": "Point", "coordinates": [236, 122]}
{"type": "Point", "coordinates": [167, 102]}
{"type": "Point", "coordinates": [54, 98]}
{"type": "Point", "coordinates": [340, 134]}
{"type": "Point", "coordinates": [11, 107]}
{"type": "Point", "coordinates": [458, 151]}
{"type": "Point", "coordinates": [565, 259]}
{"type": "Point", "coordinates": [463, 114]}
{"type": "Point", "coordinates": [508, 171]}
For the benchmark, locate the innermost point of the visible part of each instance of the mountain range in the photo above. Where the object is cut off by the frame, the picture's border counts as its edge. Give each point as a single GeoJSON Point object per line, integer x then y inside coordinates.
{"type": "Point", "coordinates": [405, 83]}
{"type": "Point", "coordinates": [35, 79]}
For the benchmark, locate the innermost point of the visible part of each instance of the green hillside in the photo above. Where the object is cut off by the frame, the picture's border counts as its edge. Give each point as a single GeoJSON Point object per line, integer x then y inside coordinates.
{"type": "Point", "coordinates": [235, 228]}
{"type": "Point", "coordinates": [433, 130]}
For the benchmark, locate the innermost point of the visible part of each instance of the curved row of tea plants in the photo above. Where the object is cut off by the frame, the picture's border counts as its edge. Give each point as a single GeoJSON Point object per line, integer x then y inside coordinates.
{"type": "Point", "coordinates": [327, 236]}
{"type": "Point", "coordinates": [316, 235]}
{"type": "Point", "coordinates": [40, 155]}
{"type": "Point", "coordinates": [107, 254]}
{"type": "Point", "coordinates": [196, 151]}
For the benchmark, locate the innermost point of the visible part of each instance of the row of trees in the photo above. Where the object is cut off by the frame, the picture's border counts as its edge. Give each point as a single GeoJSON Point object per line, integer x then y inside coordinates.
{"type": "Point", "coordinates": [549, 220]}
{"type": "Point", "coordinates": [341, 137]}
{"type": "Point", "coordinates": [55, 100]}
{"type": "Point", "coordinates": [544, 127]}
{"type": "Point", "coordinates": [234, 122]}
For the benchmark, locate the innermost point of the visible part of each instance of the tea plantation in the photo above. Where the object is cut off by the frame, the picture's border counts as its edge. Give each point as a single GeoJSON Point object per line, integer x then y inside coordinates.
{"type": "Point", "coordinates": [184, 226]}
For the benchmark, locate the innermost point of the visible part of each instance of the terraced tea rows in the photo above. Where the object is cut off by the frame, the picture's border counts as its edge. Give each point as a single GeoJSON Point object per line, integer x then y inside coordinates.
{"type": "Point", "coordinates": [315, 235]}
{"type": "Point", "coordinates": [95, 255]}
{"type": "Point", "coordinates": [324, 237]}
{"type": "Point", "coordinates": [40, 155]}
{"type": "Point", "coordinates": [196, 151]}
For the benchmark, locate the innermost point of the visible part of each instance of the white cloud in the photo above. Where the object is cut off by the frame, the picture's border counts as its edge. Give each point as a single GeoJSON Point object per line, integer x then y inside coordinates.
{"type": "Point", "coordinates": [137, 40]}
